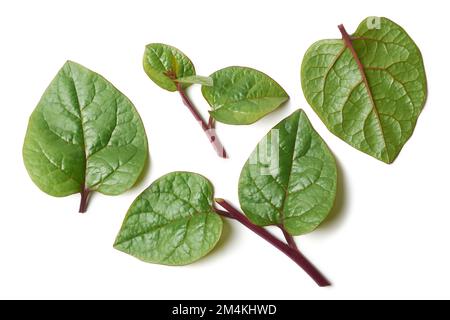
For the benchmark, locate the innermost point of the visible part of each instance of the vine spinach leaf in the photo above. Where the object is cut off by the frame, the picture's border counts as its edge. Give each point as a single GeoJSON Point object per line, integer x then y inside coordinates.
{"type": "Point", "coordinates": [368, 89]}
{"type": "Point", "coordinates": [172, 222]}
{"type": "Point", "coordinates": [84, 135]}
{"type": "Point", "coordinates": [163, 64]}
{"type": "Point", "coordinates": [290, 178]}
{"type": "Point", "coordinates": [241, 95]}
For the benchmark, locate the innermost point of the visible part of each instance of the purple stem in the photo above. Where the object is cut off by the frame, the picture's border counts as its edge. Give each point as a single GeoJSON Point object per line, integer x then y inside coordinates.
{"type": "Point", "coordinates": [84, 199]}
{"type": "Point", "coordinates": [207, 128]}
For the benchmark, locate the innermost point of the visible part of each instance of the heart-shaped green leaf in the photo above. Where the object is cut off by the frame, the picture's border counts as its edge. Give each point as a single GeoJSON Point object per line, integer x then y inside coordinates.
{"type": "Point", "coordinates": [372, 104]}
{"type": "Point", "coordinates": [172, 222]}
{"type": "Point", "coordinates": [290, 178]}
{"type": "Point", "coordinates": [164, 63]}
{"type": "Point", "coordinates": [84, 133]}
{"type": "Point", "coordinates": [242, 95]}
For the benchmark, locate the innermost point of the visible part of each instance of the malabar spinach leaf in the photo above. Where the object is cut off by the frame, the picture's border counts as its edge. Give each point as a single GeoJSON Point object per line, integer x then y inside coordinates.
{"type": "Point", "coordinates": [290, 178]}
{"type": "Point", "coordinates": [84, 135]}
{"type": "Point", "coordinates": [172, 222]}
{"type": "Point", "coordinates": [242, 95]}
{"type": "Point", "coordinates": [164, 64]}
{"type": "Point", "coordinates": [368, 89]}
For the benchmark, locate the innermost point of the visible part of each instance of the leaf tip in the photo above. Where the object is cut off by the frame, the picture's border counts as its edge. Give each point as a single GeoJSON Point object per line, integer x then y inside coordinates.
{"type": "Point", "coordinates": [116, 245]}
{"type": "Point", "coordinates": [70, 63]}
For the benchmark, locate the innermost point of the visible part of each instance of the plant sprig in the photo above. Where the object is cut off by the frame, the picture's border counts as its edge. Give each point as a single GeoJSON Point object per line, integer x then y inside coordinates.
{"type": "Point", "coordinates": [175, 221]}
{"type": "Point", "coordinates": [236, 95]}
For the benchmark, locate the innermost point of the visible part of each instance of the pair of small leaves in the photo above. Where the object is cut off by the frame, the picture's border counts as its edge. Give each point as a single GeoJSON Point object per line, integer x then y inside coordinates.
{"type": "Point", "coordinates": [174, 221]}
{"type": "Point", "coordinates": [84, 133]}
{"type": "Point", "coordinates": [237, 95]}
{"type": "Point", "coordinates": [368, 89]}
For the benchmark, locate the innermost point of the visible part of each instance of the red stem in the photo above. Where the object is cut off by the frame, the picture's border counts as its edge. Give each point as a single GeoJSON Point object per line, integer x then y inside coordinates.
{"type": "Point", "coordinates": [294, 254]}
{"type": "Point", "coordinates": [84, 199]}
{"type": "Point", "coordinates": [348, 43]}
{"type": "Point", "coordinates": [209, 130]}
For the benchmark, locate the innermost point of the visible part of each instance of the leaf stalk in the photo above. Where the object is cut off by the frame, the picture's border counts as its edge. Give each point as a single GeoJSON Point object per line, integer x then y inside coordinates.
{"type": "Point", "coordinates": [84, 199]}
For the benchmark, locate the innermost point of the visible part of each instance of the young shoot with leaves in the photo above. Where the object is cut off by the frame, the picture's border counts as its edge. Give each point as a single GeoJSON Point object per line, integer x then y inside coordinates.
{"type": "Point", "coordinates": [237, 95]}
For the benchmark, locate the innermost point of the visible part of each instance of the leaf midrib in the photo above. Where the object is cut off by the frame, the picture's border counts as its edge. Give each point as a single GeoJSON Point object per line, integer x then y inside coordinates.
{"type": "Point", "coordinates": [82, 121]}
{"type": "Point", "coordinates": [72, 80]}
{"type": "Point", "coordinates": [159, 227]}
{"type": "Point", "coordinates": [292, 158]}
{"type": "Point", "coordinates": [285, 188]}
{"type": "Point", "coordinates": [348, 44]}
{"type": "Point", "coordinates": [222, 105]}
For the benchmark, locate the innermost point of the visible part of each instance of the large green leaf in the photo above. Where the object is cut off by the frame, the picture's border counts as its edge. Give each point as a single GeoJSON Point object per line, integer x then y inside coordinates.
{"type": "Point", "coordinates": [84, 133]}
{"type": "Point", "coordinates": [172, 222]}
{"type": "Point", "coordinates": [164, 63]}
{"type": "Point", "coordinates": [242, 95]}
{"type": "Point", "coordinates": [290, 178]}
{"type": "Point", "coordinates": [373, 107]}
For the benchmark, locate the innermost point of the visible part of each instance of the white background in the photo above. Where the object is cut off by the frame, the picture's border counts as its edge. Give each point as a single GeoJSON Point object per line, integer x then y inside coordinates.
{"type": "Point", "coordinates": [388, 237]}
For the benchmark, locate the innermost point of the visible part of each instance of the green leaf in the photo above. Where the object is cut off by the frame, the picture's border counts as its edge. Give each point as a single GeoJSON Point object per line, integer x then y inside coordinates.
{"type": "Point", "coordinates": [376, 116]}
{"type": "Point", "coordinates": [84, 133]}
{"type": "Point", "coordinates": [172, 222]}
{"type": "Point", "coordinates": [163, 64]}
{"type": "Point", "coordinates": [290, 178]}
{"type": "Point", "coordinates": [242, 95]}
{"type": "Point", "coordinates": [206, 81]}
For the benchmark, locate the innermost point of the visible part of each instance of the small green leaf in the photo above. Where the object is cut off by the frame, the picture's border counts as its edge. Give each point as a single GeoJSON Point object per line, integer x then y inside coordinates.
{"type": "Point", "coordinates": [290, 178]}
{"type": "Point", "coordinates": [84, 133]}
{"type": "Point", "coordinates": [206, 81]}
{"type": "Point", "coordinates": [164, 63]}
{"type": "Point", "coordinates": [242, 95]}
{"type": "Point", "coordinates": [172, 222]}
{"type": "Point", "coordinates": [376, 116]}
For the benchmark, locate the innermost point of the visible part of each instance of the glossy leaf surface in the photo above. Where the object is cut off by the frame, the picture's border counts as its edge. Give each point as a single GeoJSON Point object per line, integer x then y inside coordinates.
{"type": "Point", "coordinates": [374, 107]}
{"type": "Point", "coordinates": [84, 133]}
{"type": "Point", "coordinates": [163, 64]}
{"type": "Point", "coordinates": [242, 95]}
{"type": "Point", "coordinates": [172, 222]}
{"type": "Point", "coordinates": [290, 178]}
